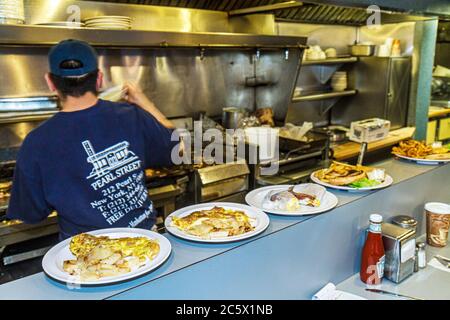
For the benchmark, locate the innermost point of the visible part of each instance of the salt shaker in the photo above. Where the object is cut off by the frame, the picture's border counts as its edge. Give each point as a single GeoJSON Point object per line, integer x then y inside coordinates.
{"type": "Point", "coordinates": [421, 255]}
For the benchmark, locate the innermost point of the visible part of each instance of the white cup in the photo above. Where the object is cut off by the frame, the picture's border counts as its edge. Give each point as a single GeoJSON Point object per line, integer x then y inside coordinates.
{"type": "Point", "coordinates": [383, 51]}
{"type": "Point", "coordinates": [331, 53]}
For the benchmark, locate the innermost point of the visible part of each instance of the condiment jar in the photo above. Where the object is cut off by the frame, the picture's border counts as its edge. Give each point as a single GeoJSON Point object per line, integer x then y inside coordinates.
{"type": "Point", "coordinates": [421, 255]}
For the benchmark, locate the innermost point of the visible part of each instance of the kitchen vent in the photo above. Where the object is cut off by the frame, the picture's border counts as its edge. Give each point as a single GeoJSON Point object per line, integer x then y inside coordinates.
{"type": "Point", "coordinates": [298, 12]}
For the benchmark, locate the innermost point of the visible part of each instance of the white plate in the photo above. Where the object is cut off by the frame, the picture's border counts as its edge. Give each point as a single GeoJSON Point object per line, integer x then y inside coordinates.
{"type": "Point", "coordinates": [255, 198]}
{"type": "Point", "coordinates": [261, 223]}
{"type": "Point", "coordinates": [424, 161]}
{"type": "Point", "coordinates": [387, 182]}
{"type": "Point", "coordinates": [108, 18]}
{"type": "Point", "coordinates": [54, 258]}
{"type": "Point", "coordinates": [65, 24]}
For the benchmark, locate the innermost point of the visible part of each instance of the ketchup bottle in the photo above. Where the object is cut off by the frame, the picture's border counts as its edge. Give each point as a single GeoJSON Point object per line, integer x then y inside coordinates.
{"type": "Point", "coordinates": [372, 260]}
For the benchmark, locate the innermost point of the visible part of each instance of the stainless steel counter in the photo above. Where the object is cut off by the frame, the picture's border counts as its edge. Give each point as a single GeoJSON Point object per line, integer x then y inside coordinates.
{"type": "Point", "coordinates": [292, 259]}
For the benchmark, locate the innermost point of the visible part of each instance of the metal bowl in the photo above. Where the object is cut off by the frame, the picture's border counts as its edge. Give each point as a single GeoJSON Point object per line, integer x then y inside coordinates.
{"type": "Point", "coordinates": [362, 50]}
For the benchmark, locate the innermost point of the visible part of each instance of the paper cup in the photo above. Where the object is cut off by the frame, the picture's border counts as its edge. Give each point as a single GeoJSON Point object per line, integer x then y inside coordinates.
{"type": "Point", "coordinates": [266, 139]}
{"type": "Point", "coordinates": [438, 223]}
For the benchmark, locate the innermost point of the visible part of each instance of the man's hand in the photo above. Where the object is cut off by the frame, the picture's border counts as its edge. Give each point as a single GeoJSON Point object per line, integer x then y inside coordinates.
{"type": "Point", "coordinates": [134, 94]}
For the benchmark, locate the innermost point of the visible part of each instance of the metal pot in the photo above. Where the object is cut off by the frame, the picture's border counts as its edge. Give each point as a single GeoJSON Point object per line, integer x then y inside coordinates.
{"type": "Point", "coordinates": [362, 50]}
{"type": "Point", "coordinates": [231, 117]}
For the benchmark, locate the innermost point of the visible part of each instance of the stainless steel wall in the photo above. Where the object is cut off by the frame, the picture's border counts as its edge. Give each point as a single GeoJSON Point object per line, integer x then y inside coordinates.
{"type": "Point", "coordinates": [145, 17]}
{"type": "Point", "coordinates": [339, 37]}
{"type": "Point", "coordinates": [310, 76]}
{"type": "Point", "coordinates": [178, 80]}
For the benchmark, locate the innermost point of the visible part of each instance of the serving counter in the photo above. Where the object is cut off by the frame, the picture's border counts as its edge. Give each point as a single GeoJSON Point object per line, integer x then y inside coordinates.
{"type": "Point", "coordinates": [292, 259]}
{"type": "Point", "coordinates": [429, 283]}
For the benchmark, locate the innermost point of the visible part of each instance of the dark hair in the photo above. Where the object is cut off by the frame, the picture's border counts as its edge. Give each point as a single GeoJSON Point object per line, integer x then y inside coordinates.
{"type": "Point", "coordinates": [75, 86]}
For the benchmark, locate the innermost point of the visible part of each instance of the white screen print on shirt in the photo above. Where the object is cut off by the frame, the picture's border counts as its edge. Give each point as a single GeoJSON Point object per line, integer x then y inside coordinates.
{"type": "Point", "coordinates": [117, 175]}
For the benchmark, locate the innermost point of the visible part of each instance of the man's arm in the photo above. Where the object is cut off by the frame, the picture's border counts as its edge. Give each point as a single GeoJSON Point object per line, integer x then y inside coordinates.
{"type": "Point", "coordinates": [134, 94]}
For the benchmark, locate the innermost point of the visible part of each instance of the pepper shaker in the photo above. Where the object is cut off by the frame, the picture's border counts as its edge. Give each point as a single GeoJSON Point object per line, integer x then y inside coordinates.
{"type": "Point", "coordinates": [416, 260]}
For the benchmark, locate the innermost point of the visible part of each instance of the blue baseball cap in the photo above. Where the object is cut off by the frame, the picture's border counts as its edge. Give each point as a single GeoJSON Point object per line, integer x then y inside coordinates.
{"type": "Point", "coordinates": [71, 49]}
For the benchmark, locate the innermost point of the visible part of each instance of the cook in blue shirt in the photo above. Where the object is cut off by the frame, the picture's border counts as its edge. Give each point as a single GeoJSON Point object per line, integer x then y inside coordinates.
{"type": "Point", "coordinates": [87, 162]}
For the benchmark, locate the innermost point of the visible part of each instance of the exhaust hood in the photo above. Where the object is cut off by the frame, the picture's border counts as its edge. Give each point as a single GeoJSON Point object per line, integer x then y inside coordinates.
{"type": "Point", "coordinates": [313, 11]}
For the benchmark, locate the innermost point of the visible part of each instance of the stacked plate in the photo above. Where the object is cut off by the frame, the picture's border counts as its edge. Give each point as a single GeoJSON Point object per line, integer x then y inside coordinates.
{"type": "Point", "coordinates": [339, 81]}
{"type": "Point", "coordinates": [109, 22]}
{"type": "Point", "coordinates": [65, 24]}
{"type": "Point", "coordinates": [12, 11]}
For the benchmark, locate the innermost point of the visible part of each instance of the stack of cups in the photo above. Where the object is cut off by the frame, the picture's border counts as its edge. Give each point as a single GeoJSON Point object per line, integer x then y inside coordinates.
{"type": "Point", "coordinates": [12, 12]}
{"type": "Point", "coordinates": [339, 81]}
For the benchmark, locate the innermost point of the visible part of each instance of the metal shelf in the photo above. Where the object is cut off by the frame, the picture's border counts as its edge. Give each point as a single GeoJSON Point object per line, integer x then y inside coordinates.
{"type": "Point", "coordinates": [330, 61]}
{"type": "Point", "coordinates": [47, 36]}
{"type": "Point", "coordinates": [26, 116]}
{"type": "Point", "coordinates": [324, 95]}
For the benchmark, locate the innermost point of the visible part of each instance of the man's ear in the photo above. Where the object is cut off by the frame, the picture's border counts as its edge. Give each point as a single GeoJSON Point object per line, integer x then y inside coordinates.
{"type": "Point", "coordinates": [99, 80]}
{"type": "Point", "coordinates": [50, 84]}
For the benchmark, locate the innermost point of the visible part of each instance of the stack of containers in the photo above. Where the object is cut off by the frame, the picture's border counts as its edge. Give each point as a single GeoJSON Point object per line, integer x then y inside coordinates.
{"type": "Point", "coordinates": [339, 81]}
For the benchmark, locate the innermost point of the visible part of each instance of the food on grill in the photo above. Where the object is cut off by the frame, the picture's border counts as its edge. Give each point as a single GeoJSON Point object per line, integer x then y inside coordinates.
{"type": "Point", "coordinates": [294, 197]}
{"type": "Point", "coordinates": [5, 188]}
{"type": "Point", "coordinates": [214, 223]}
{"type": "Point", "coordinates": [98, 257]}
{"type": "Point", "coordinates": [342, 174]}
{"type": "Point", "coordinates": [419, 150]}
{"type": "Point", "coordinates": [265, 116]}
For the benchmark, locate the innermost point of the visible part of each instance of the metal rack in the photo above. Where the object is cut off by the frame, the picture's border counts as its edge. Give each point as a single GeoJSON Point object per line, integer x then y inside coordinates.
{"type": "Point", "coordinates": [324, 95]}
{"type": "Point", "coordinates": [330, 61]}
{"type": "Point", "coordinates": [47, 36]}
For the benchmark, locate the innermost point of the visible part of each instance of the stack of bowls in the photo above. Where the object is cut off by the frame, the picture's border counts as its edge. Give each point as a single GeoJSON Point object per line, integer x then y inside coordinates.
{"type": "Point", "coordinates": [12, 12]}
{"type": "Point", "coordinates": [339, 81]}
{"type": "Point", "coordinates": [109, 22]}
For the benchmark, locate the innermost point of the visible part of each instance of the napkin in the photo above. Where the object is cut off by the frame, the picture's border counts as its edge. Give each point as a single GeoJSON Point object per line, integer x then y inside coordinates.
{"type": "Point", "coordinates": [114, 94]}
{"type": "Point", "coordinates": [436, 264]}
{"type": "Point", "coordinates": [329, 292]}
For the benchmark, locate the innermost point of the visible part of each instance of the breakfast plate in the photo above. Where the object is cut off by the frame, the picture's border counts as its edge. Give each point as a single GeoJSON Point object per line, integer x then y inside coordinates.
{"type": "Point", "coordinates": [256, 199]}
{"type": "Point", "coordinates": [55, 259]}
{"type": "Point", "coordinates": [232, 222]}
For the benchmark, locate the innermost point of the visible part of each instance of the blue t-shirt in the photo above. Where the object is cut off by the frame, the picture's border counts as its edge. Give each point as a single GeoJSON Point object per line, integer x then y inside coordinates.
{"type": "Point", "coordinates": [88, 165]}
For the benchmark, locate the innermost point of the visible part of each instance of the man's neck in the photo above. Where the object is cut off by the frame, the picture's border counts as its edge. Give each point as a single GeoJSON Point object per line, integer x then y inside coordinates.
{"type": "Point", "coordinates": [71, 104]}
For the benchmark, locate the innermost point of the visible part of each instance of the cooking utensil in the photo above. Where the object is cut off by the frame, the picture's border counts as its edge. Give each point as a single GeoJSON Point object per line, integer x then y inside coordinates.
{"type": "Point", "coordinates": [231, 117]}
{"type": "Point", "coordinates": [335, 134]}
{"type": "Point", "coordinates": [392, 294]}
{"type": "Point", "coordinates": [362, 50]}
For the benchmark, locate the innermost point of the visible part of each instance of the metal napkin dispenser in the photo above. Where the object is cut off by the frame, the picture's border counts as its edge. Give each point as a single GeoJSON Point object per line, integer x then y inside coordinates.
{"type": "Point", "coordinates": [399, 247]}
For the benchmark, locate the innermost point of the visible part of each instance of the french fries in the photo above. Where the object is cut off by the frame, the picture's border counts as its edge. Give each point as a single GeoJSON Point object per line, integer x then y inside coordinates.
{"type": "Point", "coordinates": [419, 150]}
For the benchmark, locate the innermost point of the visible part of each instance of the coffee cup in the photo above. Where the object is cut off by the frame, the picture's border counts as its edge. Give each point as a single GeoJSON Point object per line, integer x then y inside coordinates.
{"type": "Point", "coordinates": [438, 223]}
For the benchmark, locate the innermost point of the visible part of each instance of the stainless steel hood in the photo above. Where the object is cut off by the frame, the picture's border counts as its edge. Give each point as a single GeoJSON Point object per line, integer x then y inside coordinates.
{"type": "Point", "coordinates": [323, 12]}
